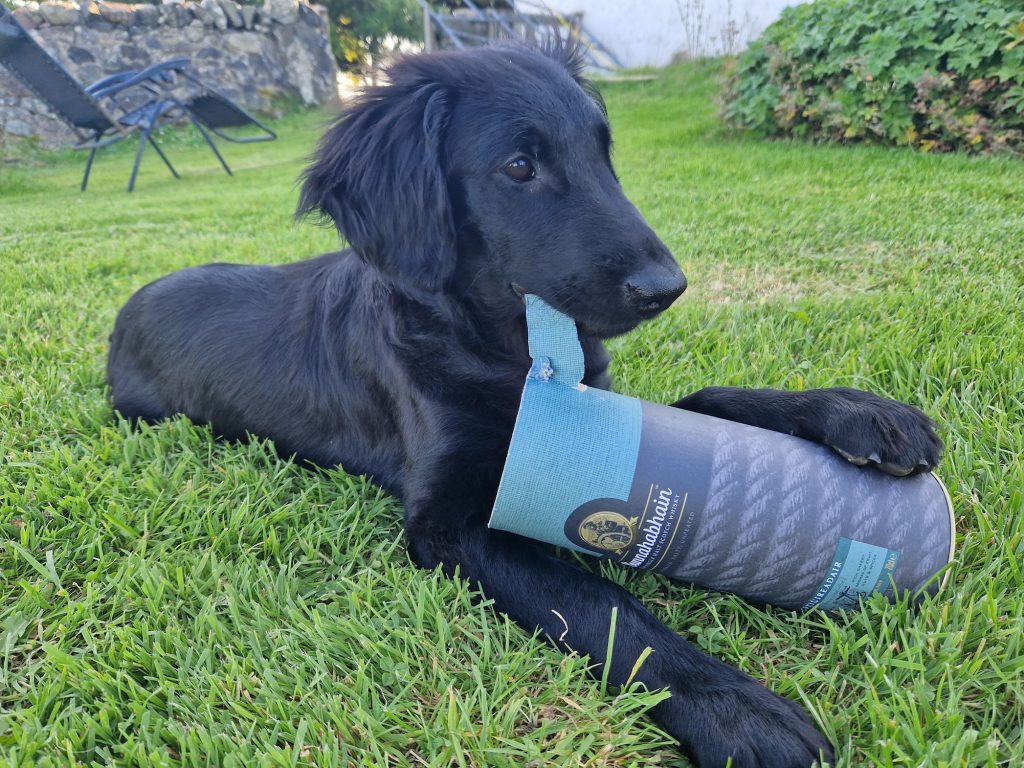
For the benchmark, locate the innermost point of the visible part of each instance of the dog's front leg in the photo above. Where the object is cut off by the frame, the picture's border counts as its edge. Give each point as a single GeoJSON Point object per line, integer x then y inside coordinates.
{"type": "Point", "coordinates": [862, 427]}
{"type": "Point", "coordinates": [715, 711]}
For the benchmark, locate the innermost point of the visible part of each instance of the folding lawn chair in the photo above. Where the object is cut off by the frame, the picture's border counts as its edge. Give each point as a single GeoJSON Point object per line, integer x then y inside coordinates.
{"type": "Point", "coordinates": [144, 99]}
{"type": "Point", "coordinates": [212, 109]}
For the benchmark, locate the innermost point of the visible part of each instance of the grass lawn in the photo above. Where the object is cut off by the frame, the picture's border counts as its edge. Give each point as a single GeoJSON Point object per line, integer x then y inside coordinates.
{"type": "Point", "coordinates": [166, 599]}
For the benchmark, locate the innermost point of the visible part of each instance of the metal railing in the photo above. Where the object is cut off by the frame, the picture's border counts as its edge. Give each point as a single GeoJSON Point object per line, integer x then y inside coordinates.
{"type": "Point", "coordinates": [534, 22]}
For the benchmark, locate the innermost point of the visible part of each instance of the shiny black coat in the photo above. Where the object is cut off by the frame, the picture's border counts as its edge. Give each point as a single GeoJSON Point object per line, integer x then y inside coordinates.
{"type": "Point", "coordinates": [468, 180]}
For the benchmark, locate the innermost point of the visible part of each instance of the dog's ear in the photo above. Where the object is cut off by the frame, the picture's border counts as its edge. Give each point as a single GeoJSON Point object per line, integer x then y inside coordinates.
{"type": "Point", "coordinates": [378, 173]}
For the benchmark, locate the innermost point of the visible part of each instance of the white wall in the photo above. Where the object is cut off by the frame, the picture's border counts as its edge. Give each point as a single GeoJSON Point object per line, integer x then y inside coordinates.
{"type": "Point", "coordinates": [651, 32]}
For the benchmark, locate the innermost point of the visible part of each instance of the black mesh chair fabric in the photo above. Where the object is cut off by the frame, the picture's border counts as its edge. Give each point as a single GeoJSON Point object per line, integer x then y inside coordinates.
{"type": "Point", "coordinates": [212, 110]}
{"type": "Point", "coordinates": [215, 111]}
{"type": "Point", "coordinates": [44, 76]}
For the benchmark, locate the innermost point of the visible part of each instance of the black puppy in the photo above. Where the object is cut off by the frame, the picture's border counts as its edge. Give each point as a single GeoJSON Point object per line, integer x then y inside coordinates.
{"type": "Point", "coordinates": [469, 179]}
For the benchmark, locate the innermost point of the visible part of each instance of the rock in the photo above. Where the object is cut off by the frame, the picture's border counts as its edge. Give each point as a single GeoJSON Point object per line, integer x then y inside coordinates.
{"type": "Point", "coordinates": [117, 13]}
{"type": "Point", "coordinates": [232, 13]}
{"type": "Point", "coordinates": [134, 55]}
{"type": "Point", "coordinates": [182, 17]}
{"type": "Point", "coordinates": [310, 15]}
{"type": "Point", "coordinates": [248, 16]}
{"type": "Point", "coordinates": [146, 16]}
{"type": "Point", "coordinates": [214, 14]}
{"type": "Point", "coordinates": [59, 15]}
{"type": "Point", "coordinates": [18, 128]}
{"type": "Point", "coordinates": [80, 55]}
{"type": "Point", "coordinates": [195, 32]}
{"type": "Point", "coordinates": [301, 74]}
{"type": "Point", "coordinates": [283, 34]}
{"type": "Point", "coordinates": [86, 37]}
{"type": "Point", "coordinates": [175, 15]}
{"type": "Point", "coordinates": [90, 73]}
{"type": "Point", "coordinates": [281, 11]}
{"type": "Point", "coordinates": [244, 42]}
{"type": "Point", "coordinates": [89, 13]}
{"type": "Point", "coordinates": [28, 18]}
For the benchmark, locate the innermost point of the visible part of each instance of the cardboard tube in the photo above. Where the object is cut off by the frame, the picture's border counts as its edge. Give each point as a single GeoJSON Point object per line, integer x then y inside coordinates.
{"type": "Point", "coordinates": [767, 516]}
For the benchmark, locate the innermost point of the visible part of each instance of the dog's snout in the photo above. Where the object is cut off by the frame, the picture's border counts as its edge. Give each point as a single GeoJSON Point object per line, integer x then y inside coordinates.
{"type": "Point", "coordinates": [653, 290]}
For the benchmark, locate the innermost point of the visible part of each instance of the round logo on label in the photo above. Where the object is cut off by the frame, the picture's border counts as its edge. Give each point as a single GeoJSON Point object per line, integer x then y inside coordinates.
{"type": "Point", "coordinates": [607, 530]}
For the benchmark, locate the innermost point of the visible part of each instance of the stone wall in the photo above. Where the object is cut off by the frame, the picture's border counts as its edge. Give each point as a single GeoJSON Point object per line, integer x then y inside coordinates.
{"type": "Point", "coordinates": [260, 56]}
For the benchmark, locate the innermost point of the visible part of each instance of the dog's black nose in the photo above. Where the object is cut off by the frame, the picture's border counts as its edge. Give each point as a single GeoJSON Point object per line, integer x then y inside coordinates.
{"type": "Point", "coordinates": [654, 288]}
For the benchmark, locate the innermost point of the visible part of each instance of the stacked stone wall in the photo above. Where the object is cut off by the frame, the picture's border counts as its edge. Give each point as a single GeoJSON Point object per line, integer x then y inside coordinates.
{"type": "Point", "coordinates": [260, 56]}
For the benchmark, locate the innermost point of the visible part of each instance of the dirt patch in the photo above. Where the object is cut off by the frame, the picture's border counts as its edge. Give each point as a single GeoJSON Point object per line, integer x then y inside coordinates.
{"type": "Point", "coordinates": [865, 267]}
{"type": "Point", "coordinates": [727, 284]}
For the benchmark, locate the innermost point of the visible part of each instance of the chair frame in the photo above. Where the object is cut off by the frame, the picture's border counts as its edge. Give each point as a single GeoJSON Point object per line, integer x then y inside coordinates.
{"type": "Point", "coordinates": [161, 106]}
{"type": "Point", "coordinates": [156, 110]}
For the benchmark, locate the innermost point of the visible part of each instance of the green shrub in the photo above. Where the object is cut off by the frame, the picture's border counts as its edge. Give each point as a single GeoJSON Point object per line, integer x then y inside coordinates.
{"type": "Point", "coordinates": [932, 74]}
{"type": "Point", "coordinates": [364, 29]}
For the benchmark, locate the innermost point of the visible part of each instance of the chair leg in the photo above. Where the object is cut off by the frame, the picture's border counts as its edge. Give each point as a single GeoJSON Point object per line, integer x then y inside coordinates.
{"type": "Point", "coordinates": [210, 142]}
{"type": "Point", "coordinates": [88, 167]}
{"type": "Point", "coordinates": [163, 157]}
{"type": "Point", "coordinates": [138, 155]}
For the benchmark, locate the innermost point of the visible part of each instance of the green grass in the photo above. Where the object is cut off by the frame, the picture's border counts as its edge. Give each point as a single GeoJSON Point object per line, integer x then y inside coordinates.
{"type": "Point", "coordinates": [166, 599]}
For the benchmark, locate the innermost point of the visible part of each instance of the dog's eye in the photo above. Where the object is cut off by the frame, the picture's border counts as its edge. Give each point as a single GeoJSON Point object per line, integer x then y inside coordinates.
{"type": "Point", "coordinates": [520, 169]}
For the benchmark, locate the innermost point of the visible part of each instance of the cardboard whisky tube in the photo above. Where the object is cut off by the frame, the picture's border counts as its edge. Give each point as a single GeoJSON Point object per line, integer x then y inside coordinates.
{"type": "Point", "coordinates": [767, 516]}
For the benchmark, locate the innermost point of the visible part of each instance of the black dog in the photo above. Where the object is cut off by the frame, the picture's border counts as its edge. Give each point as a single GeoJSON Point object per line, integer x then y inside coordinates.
{"type": "Point", "coordinates": [467, 180]}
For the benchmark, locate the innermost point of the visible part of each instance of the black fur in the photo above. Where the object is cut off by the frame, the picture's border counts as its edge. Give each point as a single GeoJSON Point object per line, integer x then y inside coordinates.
{"type": "Point", "coordinates": [403, 357]}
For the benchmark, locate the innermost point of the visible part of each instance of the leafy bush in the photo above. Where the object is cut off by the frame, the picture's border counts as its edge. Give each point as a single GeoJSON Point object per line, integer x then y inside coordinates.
{"type": "Point", "coordinates": [932, 74]}
{"type": "Point", "coordinates": [364, 29]}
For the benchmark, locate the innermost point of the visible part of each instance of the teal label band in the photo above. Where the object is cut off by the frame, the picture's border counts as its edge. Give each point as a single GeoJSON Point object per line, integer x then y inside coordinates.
{"type": "Point", "coordinates": [857, 570]}
{"type": "Point", "coordinates": [570, 445]}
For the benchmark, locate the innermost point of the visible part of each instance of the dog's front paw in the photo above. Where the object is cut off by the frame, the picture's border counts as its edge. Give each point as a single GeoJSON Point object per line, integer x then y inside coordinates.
{"type": "Point", "coordinates": [866, 429]}
{"type": "Point", "coordinates": [745, 722]}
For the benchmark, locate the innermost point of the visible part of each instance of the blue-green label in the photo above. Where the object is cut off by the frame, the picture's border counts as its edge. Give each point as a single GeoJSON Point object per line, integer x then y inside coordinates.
{"type": "Point", "coordinates": [857, 570]}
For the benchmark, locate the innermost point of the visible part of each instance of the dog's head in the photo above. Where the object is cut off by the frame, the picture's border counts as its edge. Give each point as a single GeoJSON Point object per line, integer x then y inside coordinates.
{"type": "Point", "coordinates": [487, 174]}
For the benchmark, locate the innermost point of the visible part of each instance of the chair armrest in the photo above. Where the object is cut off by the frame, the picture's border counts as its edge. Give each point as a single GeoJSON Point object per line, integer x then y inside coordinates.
{"type": "Point", "coordinates": [109, 80]}
{"type": "Point", "coordinates": [113, 84]}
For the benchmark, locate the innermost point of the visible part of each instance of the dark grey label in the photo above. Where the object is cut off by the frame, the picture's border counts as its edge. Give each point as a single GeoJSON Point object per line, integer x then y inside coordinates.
{"type": "Point", "coordinates": [653, 528]}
